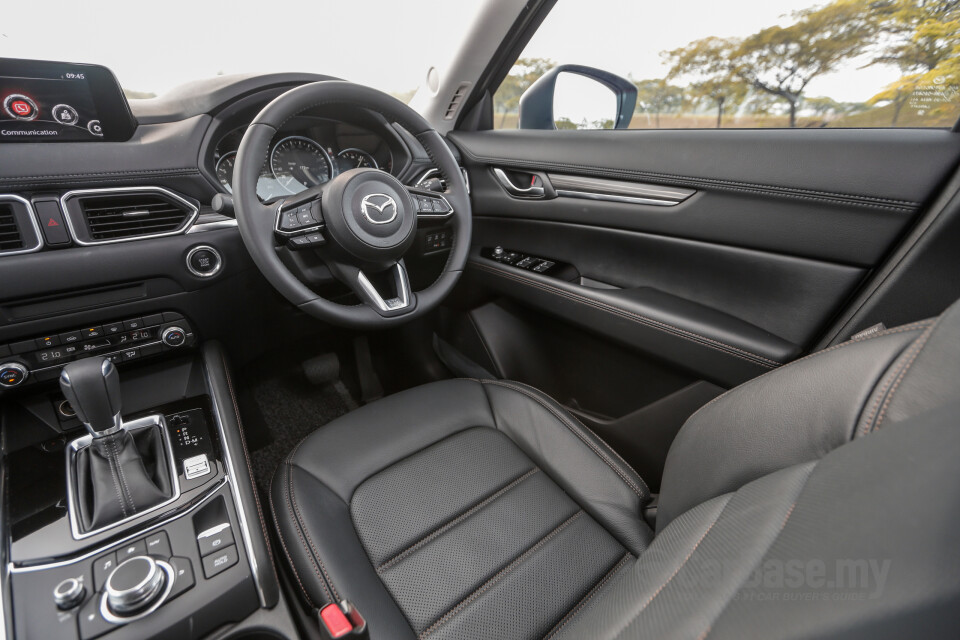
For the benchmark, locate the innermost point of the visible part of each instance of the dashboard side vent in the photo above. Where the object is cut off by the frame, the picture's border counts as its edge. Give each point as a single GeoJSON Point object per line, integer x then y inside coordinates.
{"type": "Point", "coordinates": [456, 100]}
{"type": "Point", "coordinates": [10, 236]}
{"type": "Point", "coordinates": [118, 215]}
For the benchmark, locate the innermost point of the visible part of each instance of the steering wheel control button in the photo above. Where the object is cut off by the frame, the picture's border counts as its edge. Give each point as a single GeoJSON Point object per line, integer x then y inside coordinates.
{"type": "Point", "coordinates": [173, 336]}
{"type": "Point", "coordinates": [204, 262]}
{"type": "Point", "coordinates": [102, 568]}
{"type": "Point", "coordinates": [196, 467]}
{"type": "Point", "coordinates": [308, 241]}
{"type": "Point", "coordinates": [69, 593]}
{"type": "Point", "coordinates": [12, 374]}
{"type": "Point", "coordinates": [220, 561]}
{"type": "Point", "coordinates": [20, 107]}
{"type": "Point", "coordinates": [215, 538]}
{"type": "Point", "coordinates": [134, 585]}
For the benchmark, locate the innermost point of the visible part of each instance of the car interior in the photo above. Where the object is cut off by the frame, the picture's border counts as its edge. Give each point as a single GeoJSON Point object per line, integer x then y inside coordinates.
{"type": "Point", "coordinates": [283, 356]}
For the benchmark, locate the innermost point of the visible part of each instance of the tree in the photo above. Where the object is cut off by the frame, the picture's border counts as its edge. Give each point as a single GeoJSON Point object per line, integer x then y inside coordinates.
{"type": "Point", "coordinates": [656, 97]}
{"type": "Point", "coordinates": [781, 61]}
{"type": "Point", "coordinates": [897, 94]}
{"type": "Point", "coordinates": [706, 62]}
{"type": "Point", "coordinates": [524, 73]}
{"type": "Point", "coordinates": [920, 33]}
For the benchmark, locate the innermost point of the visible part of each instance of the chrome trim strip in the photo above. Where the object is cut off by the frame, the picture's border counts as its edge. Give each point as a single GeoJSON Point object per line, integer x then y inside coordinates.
{"type": "Point", "coordinates": [403, 290]}
{"type": "Point", "coordinates": [83, 192]}
{"type": "Point", "coordinates": [618, 190]}
{"type": "Point", "coordinates": [85, 441]}
{"type": "Point", "coordinates": [583, 195]}
{"type": "Point", "coordinates": [32, 214]}
{"type": "Point", "coordinates": [203, 227]}
{"type": "Point", "coordinates": [133, 536]}
{"type": "Point", "coordinates": [237, 502]}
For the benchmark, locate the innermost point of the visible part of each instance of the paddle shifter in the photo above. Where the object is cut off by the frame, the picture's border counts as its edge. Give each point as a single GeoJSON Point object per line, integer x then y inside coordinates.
{"type": "Point", "coordinates": [121, 473]}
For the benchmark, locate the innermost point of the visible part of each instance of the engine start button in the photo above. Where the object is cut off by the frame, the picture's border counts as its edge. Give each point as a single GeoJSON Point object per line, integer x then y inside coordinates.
{"type": "Point", "coordinates": [204, 262]}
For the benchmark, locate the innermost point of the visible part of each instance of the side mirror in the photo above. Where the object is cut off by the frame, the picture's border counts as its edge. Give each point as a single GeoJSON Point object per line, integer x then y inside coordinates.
{"type": "Point", "coordinates": [578, 97]}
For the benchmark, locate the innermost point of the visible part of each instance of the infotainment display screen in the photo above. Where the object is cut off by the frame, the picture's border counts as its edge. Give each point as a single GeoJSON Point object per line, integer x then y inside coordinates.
{"type": "Point", "coordinates": [60, 102]}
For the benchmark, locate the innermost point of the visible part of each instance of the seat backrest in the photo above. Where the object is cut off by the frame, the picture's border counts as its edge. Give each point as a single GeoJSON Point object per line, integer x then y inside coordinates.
{"type": "Point", "coordinates": [802, 411]}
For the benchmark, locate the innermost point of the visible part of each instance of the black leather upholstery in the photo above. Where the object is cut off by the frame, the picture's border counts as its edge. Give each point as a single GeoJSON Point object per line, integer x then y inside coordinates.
{"type": "Point", "coordinates": [469, 509]}
{"type": "Point", "coordinates": [120, 475]}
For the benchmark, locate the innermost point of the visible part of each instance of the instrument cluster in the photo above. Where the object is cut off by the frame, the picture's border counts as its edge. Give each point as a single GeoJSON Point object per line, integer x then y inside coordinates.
{"type": "Point", "coordinates": [309, 152]}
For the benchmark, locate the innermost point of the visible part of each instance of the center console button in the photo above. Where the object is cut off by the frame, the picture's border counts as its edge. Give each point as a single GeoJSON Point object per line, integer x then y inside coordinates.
{"type": "Point", "coordinates": [70, 337]}
{"type": "Point", "coordinates": [130, 550]}
{"type": "Point", "coordinates": [158, 544]}
{"type": "Point", "coordinates": [69, 593]}
{"type": "Point", "coordinates": [220, 561]}
{"type": "Point", "coordinates": [133, 324]}
{"type": "Point", "coordinates": [174, 336]}
{"type": "Point", "coordinates": [47, 341]}
{"type": "Point", "coordinates": [153, 320]}
{"type": "Point", "coordinates": [102, 568]}
{"type": "Point", "coordinates": [134, 585]}
{"type": "Point", "coordinates": [91, 332]}
{"type": "Point", "coordinates": [91, 623]}
{"type": "Point", "coordinates": [215, 538]}
{"type": "Point", "coordinates": [183, 575]}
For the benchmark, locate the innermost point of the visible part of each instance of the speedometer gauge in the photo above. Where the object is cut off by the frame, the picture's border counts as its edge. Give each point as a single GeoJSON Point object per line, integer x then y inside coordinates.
{"type": "Point", "coordinates": [356, 159]}
{"type": "Point", "coordinates": [299, 163]}
{"type": "Point", "coordinates": [224, 170]}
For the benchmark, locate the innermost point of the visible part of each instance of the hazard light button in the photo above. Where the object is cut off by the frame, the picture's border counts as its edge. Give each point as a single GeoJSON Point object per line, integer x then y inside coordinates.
{"type": "Point", "coordinates": [51, 222]}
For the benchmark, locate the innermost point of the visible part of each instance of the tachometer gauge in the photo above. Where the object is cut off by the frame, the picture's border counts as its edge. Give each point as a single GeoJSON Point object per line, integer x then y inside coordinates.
{"type": "Point", "coordinates": [224, 170]}
{"type": "Point", "coordinates": [356, 159]}
{"type": "Point", "coordinates": [299, 163]}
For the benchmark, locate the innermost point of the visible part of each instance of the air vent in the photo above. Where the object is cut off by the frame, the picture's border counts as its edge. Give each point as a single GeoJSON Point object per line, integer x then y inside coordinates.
{"type": "Point", "coordinates": [10, 238]}
{"type": "Point", "coordinates": [456, 100]}
{"type": "Point", "coordinates": [117, 215]}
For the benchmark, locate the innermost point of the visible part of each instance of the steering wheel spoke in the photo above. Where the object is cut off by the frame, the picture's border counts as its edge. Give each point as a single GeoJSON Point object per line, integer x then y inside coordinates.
{"type": "Point", "coordinates": [431, 205]}
{"type": "Point", "coordinates": [386, 291]}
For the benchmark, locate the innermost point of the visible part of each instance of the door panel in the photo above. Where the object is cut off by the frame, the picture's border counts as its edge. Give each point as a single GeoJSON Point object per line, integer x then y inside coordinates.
{"type": "Point", "coordinates": [760, 240]}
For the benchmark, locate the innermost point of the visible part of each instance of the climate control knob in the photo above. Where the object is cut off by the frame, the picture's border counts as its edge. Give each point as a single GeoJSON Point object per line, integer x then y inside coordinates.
{"type": "Point", "coordinates": [135, 585]}
{"type": "Point", "coordinates": [12, 374]}
{"type": "Point", "coordinates": [173, 336]}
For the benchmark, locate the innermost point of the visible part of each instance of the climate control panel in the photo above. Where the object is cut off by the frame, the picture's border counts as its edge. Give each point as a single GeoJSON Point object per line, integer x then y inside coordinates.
{"type": "Point", "coordinates": [42, 357]}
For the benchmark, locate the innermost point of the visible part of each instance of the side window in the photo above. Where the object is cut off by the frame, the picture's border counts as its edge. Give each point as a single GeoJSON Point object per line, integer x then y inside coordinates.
{"type": "Point", "coordinates": [748, 64]}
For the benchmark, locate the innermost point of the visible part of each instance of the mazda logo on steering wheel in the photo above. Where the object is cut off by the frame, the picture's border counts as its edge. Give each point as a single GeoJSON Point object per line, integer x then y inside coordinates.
{"type": "Point", "coordinates": [376, 208]}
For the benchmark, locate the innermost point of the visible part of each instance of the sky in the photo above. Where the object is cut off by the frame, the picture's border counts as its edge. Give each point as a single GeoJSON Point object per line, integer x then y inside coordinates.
{"type": "Point", "coordinates": [168, 43]}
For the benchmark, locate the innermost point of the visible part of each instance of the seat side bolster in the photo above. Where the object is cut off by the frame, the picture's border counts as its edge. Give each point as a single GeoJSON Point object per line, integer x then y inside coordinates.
{"type": "Point", "coordinates": [326, 554]}
{"type": "Point", "coordinates": [581, 463]}
{"type": "Point", "coordinates": [797, 413]}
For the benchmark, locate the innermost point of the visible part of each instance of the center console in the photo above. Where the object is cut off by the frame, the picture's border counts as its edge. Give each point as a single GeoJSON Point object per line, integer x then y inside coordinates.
{"type": "Point", "coordinates": [130, 511]}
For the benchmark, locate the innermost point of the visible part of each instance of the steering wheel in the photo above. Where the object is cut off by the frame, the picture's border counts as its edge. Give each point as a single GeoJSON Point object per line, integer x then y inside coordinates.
{"type": "Point", "coordinates": [360, 223]}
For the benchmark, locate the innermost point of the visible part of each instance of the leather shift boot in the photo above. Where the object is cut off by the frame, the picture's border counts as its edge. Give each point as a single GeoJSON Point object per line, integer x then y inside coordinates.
{"type": "Point", "coordinates": [120, 476]}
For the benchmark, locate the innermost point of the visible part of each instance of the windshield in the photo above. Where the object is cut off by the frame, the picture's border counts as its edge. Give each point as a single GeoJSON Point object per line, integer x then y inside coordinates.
{"type": "Point", "coordinates": [153, 47]}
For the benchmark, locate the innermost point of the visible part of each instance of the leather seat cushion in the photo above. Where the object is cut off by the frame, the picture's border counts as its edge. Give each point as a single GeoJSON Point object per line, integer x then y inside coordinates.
{"type": "Point", "coordinates": [458, 509]}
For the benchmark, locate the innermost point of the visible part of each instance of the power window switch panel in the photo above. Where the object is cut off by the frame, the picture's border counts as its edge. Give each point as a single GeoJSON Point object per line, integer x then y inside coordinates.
{"type": "Point", "coordinates": [196, 466]}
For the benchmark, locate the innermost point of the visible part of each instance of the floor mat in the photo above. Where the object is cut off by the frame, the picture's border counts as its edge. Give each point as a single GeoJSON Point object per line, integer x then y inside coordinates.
{"type": "Point", "coordinates": [291, 408]}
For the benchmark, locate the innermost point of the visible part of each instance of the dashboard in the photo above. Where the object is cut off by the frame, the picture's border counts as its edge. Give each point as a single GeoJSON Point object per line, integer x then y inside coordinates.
{"type": "Point", "coordinates": [307, 152]}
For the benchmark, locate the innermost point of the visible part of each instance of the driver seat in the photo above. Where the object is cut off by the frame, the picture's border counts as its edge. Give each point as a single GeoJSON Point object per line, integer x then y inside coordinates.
{"type": "Point", "coordinates": [820, 499]}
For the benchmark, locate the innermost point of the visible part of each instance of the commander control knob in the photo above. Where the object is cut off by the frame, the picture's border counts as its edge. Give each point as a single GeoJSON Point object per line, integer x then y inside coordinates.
{"type": "Point", "coordinates": [134, 585]}
{"type": "Point", "coordinates": [12, 374]}
{"type": "Point", "coordinates": [173, 336]}
{"type": "Point", "coordinates": [69, 593]}
{"type": "Point", "coordinates": [497, 252]}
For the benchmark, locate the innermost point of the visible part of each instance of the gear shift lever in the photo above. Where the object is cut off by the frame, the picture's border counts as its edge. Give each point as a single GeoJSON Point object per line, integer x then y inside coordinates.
{"type": "Point", "coordinates": [120, 473]}
{"type": "Point", "coordinates": [92, 387]}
